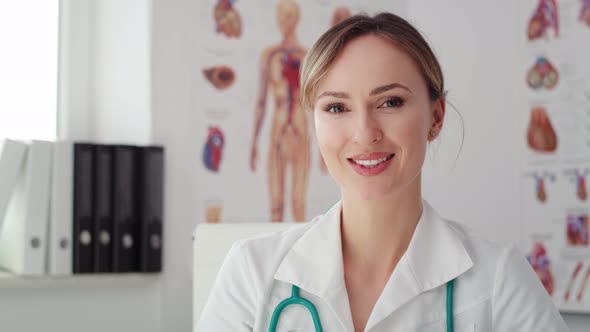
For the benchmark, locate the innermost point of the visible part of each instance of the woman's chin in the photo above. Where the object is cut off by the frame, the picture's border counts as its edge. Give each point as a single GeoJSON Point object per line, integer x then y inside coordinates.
{"type": "Point", "coordinates": [372, 193]}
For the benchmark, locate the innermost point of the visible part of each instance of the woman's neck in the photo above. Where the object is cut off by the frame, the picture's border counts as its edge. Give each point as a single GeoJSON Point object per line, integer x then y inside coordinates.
{"type": "Point", "coordinates": [376, 233]}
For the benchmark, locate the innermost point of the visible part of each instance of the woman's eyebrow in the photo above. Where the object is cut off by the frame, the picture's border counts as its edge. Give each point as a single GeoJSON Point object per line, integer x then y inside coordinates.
{"type": "Point", "coordinates": [341, 95]}
{"type": "Point", "coordinates": [388, 87]}
{"type": "Point", "coordinates": [374, 92]}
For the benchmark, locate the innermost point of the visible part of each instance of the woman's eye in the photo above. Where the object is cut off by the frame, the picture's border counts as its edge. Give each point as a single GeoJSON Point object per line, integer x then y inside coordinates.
{"type": "Point", "coordinates": [335, 109]}
{"type": "Point", "coordinates": [393, 102]}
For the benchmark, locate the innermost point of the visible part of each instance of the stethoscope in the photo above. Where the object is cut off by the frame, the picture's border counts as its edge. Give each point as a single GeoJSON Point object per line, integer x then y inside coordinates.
{"type": "Point", "coordinates": [297, 299]}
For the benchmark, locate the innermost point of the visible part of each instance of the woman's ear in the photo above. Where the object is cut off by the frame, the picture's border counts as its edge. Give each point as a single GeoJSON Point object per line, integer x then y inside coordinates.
{"type": "Point", "coordinates": [438, 116]}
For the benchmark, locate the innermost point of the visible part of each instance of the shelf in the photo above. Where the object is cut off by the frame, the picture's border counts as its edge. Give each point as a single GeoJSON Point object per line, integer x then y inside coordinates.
{"type": "Point", "coordinates": [10, 279]}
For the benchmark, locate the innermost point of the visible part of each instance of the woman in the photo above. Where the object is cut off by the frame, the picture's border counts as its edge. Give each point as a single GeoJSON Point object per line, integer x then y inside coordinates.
{"type": "Point", "coordinates": [381, 259]}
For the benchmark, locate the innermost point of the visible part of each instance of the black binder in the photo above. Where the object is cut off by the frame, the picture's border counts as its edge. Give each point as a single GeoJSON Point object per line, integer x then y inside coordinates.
{"type": "Point", "coordinates": [103, 212]}
{"type": "Point", "coordinates": [83, 248]}
{"type": "Point", "coordinates": [125, 213]}
{"type": "Point", "coordinates": [151, 191]}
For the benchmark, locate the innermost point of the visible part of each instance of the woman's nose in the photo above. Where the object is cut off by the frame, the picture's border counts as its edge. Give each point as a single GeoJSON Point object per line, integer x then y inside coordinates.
{"type": "Point", "coordinates": [367, 129]}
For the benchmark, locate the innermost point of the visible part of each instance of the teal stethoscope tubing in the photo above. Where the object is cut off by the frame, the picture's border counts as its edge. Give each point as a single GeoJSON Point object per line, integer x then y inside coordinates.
{"type": "Point", "coordinates": [450, 291]}
{"type": "Point", "coordinates": [296, 299]}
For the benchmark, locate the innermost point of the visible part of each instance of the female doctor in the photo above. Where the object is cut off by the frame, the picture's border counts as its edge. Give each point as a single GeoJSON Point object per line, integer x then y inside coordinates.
{"type": "Point", "coordinates": [381, 259]}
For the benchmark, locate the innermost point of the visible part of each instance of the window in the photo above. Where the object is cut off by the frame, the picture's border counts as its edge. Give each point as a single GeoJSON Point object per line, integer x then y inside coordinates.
{"type": "Point", "coordinates": [29, 68]}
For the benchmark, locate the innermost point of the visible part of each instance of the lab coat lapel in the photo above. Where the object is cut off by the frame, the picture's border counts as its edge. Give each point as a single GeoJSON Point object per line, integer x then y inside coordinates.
{"type": "Point", "coordinates": [314, 264]}
{"type": "Point", "coordinates": [434, 256]}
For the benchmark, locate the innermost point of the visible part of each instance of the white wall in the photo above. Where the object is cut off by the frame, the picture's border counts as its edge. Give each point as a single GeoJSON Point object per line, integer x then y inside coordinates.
{"type": "Point", "coordinates": [74, 70]}
{"type": "Point", "coordinates": [173, 69]}
{"type": "Point", "coordinates": [105, 78]}
{"type": "Point", "coordinates": [120, 70]}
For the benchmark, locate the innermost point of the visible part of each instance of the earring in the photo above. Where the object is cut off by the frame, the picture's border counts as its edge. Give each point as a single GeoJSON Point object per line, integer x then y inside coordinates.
{"type": "Point", "coordinates": [432, 133]}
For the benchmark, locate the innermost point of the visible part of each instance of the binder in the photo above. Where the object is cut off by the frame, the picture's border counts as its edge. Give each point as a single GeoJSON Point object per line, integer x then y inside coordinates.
{"type": "Point", "coordinates": [61, 218]}
{"type": "Point", "coordinates": [103, 212]}
{"type": "Point", "coordinates": [23, 247]}
{"type": "Point", "coordinates": [125, 214]}
{"type": "Point", "coordinates": [12, 156]}
{"type": "Point", "coordinates": [83, 227]}
{"type": "Point", "coordinates": [151, 191]}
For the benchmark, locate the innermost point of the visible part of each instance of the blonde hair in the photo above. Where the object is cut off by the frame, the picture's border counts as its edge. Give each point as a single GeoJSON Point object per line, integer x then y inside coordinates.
{"type": "Point", "coordinates": [390, 26]}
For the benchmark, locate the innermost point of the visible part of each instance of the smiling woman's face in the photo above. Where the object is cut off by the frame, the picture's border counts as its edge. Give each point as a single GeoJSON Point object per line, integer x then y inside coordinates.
{"type": "Point", "coordinates": [373, 117]}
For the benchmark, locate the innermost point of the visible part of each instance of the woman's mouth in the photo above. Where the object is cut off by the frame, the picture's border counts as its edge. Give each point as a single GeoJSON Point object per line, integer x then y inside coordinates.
{"type": "Point", "coordinates": [371, 164]}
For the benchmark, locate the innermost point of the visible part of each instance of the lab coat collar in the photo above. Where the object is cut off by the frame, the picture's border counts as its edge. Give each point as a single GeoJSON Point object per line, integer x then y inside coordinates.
{"type": "Point", "coordinates": [434, 256]}
{"type": "Point", "coordinates": [314, 263]}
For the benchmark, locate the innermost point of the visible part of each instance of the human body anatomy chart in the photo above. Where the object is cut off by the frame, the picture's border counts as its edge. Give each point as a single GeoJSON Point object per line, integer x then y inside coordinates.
{"type": "Point", "coordinates": [257, 158]}
{"type": "Point", "coordinates": [556, 147]}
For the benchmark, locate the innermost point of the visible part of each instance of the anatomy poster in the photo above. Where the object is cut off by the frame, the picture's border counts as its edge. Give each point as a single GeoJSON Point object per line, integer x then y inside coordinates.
{"type": "Point", "coordinates": [556, 146]}
{"type": "Point", "coordinates": [257, 159]}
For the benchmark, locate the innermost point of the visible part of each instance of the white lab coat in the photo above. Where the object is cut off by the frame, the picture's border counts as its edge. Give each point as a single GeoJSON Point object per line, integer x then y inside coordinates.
{"type": "Point", "coordinates": [495, 288]}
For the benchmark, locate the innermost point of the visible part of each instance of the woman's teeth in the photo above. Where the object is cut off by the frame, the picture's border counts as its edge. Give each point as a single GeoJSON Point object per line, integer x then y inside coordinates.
{"type": "Point", "coordinates": [372, 163]}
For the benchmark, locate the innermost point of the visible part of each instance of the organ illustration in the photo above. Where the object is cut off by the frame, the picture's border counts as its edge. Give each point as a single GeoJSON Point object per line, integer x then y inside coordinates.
{"type": "Point", "coordinates": [540, 262]}
{"type": "Point", "coordinates": [289, 141]}
{"type": "Point", "coordinates": [542, 74]}
{"type": "Point", "coordinates": [213, 214]}
{"type": "Point", "coordinates": [340, 14]}
{"type": "Point", "coordinates": [544, 17]}
{"type": "Point", "coordinates": [213, 149]}
{"type": "Point", "coordinates": [571, 281]}
{"type": "Point", "coordinates": [221, 77]}
{"type": "Point", "coordinates": [540, 184]}
{"type": "Point", "coordinates": [585, 12]}
{"type": "Point", "coordinates": [577, 229]}
{"type": "Point", "coordinates": [227, 19]}
{"type": "Point", "coordinates": [582, 290]}
{"type": "Point", "coordinates": [578, 178]}
{"type": "Point", "coordinates": [541, 136]}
